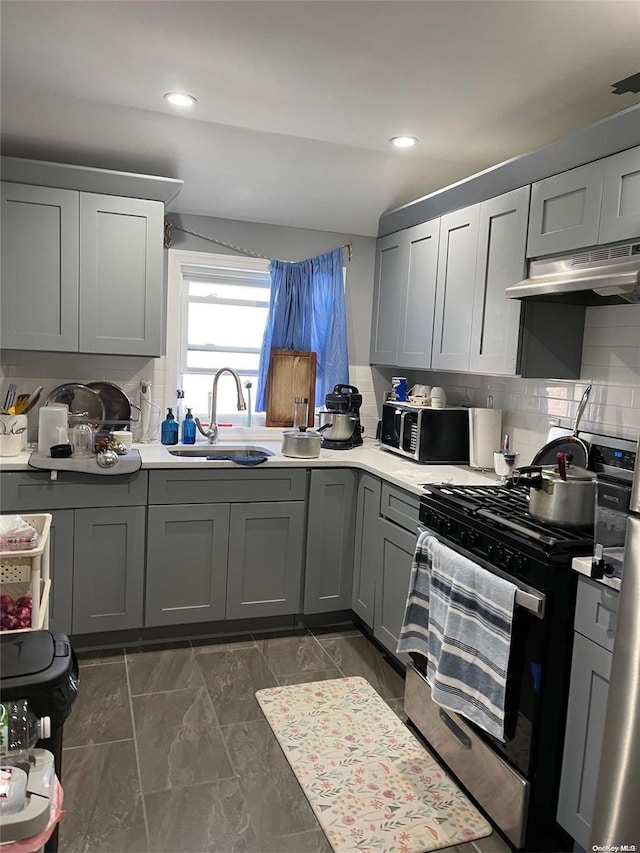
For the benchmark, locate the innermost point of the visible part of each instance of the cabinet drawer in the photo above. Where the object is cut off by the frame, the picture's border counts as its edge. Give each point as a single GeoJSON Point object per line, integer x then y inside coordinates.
{"type": "Point", "coordinates": [180, 486]}
{"type": "Point", "coordinates": [400, 507]}
{"type": "Point", "coordinates": [35, 490]}
{"type": "Point", "coordinates": [597, 612]}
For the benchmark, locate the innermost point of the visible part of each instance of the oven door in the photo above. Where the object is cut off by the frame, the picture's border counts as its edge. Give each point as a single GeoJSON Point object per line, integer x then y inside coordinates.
{"type": "Point", "coordinates": [482, 763]}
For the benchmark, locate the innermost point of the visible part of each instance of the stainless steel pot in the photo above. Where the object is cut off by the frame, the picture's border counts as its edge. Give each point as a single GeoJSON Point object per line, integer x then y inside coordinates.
{"type": "Point", "coordinates": [564, 496]}
{"type": "Point", "coordinates": [303, 443]}
{"type": "Point", "coordinates": [341, 425]}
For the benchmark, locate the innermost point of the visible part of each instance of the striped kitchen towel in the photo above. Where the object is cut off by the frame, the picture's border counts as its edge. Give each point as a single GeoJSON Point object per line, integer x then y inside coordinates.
{"type": "Point", "coordinates": [414, 635]}
{"type": "Point", "coordinates": [469, 613]}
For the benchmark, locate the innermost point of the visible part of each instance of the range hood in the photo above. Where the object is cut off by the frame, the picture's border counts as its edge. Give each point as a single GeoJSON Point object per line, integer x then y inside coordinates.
{"type": "Point", "coordinates": [603, 275]}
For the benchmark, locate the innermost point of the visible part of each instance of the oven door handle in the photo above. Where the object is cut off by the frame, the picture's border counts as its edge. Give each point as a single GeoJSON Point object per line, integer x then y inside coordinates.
{"type": "Point", "coordinates": [526, 597]}
{"type": "Point", "coordinates": [455, 730]}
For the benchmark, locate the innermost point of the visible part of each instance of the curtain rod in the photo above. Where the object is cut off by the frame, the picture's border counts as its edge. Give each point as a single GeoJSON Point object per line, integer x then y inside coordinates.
{"type": "Point", "coordinates": [168, 226]}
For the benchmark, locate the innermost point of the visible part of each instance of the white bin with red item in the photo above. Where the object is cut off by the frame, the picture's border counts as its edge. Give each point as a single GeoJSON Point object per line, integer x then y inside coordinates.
{"type": "Point", "coordinates": [24, 569]}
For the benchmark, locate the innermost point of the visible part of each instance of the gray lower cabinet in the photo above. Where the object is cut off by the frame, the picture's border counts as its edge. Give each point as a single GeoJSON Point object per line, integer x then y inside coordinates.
{"type": "Point", "coordinates": [396, 547]}
{"type": "Point", "coordinates": [596, 612]}
{"type": "Point", "coordinates": [366, 564]}
{"type": "Point", "coordinates": [108, 569]}
{"type": "Point", "coordinates": [61, 571]}
{"type": "Point", "coordinates": [81, 272]}
{"type": "Point", "coordinates": [97, 545]}
{"type": "Point", "coordinates": [187, 552]}
{"type": "Point", "coordinates": [330, 540]}
{"type": "Point", "coordinates": [266, 547]}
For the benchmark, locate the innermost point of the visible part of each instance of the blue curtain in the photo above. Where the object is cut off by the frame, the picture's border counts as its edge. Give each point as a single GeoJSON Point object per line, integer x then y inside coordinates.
{"type": "Point", "coordinates": [307, 312]}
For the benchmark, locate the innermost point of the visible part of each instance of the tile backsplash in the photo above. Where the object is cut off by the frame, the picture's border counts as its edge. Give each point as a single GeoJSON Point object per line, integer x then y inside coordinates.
{"type": "Point", "coordinates": [611, 363]}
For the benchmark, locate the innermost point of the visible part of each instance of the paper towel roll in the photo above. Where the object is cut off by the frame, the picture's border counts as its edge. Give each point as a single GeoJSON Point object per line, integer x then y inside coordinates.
{"type": "Point", "coordinates": [485, 431]}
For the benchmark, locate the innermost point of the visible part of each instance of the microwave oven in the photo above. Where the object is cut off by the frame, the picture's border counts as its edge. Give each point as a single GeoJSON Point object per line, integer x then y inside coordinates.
{"type": "Point", "coordinates": [424, 434]}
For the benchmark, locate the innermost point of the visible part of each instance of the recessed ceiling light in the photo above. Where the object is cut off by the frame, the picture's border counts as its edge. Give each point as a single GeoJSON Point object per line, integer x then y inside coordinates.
{"type": "Point", "coordinates": [403, 141]}
{"type": "Point", "coordinates": [178, 99]}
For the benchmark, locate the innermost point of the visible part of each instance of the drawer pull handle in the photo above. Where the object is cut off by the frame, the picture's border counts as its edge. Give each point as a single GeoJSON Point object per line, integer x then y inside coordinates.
{"type": "Point", "coordinates": [455, 729]}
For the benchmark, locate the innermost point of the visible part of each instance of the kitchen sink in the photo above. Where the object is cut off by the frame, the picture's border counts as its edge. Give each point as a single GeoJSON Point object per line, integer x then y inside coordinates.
{"type": "Point", "coordinates": [221, 451]}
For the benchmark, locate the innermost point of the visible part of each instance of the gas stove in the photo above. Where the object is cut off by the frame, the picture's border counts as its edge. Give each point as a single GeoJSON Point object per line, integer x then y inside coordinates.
{"type": "Point", "coordinates": [492, 523]}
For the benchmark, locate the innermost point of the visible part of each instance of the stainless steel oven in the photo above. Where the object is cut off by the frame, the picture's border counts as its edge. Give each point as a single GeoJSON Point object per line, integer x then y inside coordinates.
{"type": "Point", "coordinates": [516, 781]}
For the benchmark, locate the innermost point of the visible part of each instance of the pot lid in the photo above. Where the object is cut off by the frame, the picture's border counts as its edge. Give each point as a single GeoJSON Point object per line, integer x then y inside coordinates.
{"type": "Point", "coordinates": [302, 433]}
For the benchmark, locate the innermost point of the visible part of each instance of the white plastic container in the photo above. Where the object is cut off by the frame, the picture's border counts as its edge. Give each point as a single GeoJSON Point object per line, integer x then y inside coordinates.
{"type": "Point", "coordinates": [27, 572]}
{"type": "Point", "coordinates": [50, 420]}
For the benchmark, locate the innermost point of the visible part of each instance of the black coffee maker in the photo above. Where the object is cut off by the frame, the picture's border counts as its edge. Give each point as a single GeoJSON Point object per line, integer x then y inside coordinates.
{"type": "Point", "coordinates": [342, 411]}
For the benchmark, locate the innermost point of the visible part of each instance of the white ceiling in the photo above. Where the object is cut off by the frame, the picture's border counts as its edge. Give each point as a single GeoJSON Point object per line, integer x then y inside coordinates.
{"type": "Point", "coordinates": [297, 99]}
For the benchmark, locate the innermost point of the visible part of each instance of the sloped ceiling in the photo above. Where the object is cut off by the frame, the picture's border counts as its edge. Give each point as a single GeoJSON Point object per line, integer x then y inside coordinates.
{"type": "Point", "coordinates": [297, 100]}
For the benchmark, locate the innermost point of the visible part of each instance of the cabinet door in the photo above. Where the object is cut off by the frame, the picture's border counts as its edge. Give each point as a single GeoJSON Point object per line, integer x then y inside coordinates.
{"type": "Point", "coordinates": [108, 569]}
{"type": "Point", "coordinates": [366, 562]}
{"type": "Point", "coordinates": [620, 214]}
{"type": "Point", "coordinates": [187, 548]}
{"type": "Point", "coordinates": [265, 559]}
{"type": "Point", "coordinates": [590, 672]}
{"type": "Point", "coordinates": [454, 292]}
{"type": "Point", "coordinates": [418, 299]}
{"type": "Point", "coordinates": [390, 274]}
{"type": "Point", "coordinates": [329, 564]}
{"type": "Point", "coordinates": [565, 211]}
{"type": "Point", "coordinates": [39, 268]}
{"type": "Point", "coordinates": [121, 275]}
{"type": "Point", "coordinates": [396, 548]}
{"type": "Point", "coordinates": [501, 261]}
{"type": "Point", "coordinates": [61, 571]}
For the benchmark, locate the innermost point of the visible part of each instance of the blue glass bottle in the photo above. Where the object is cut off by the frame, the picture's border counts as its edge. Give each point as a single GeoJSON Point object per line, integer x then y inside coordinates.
{"type": "Point", "coordinates": [169, 430]}
{"type": "Point", "coordinates": [188, 429]}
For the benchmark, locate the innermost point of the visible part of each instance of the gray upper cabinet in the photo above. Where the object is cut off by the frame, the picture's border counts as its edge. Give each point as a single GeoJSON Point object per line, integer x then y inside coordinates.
{"type": "Point", "coordinates": [620, 214]}
{"type": "Point", "coordinates": [121, 264]}
{"type": "Point", "coordinates": [40, 235]}
{"type": "Point", "coordinates": [390, 269]}
{"type": "Point", "coordinates": [404, 296]}
{"type": "Point", "coordinates": [330, 538]}
{"type": "Point", "coordinates": [565, 211]}
{"type": "Point", "coordinates": [418, 295]}
{"type": "Point", "coordinates": [502, 239]}
{"type": "Point", "coordinates": [455, 286]}
{"type": "Point", "coordinates": [81, 272]}
{"type": "Point", "coordinates": [591, 205]}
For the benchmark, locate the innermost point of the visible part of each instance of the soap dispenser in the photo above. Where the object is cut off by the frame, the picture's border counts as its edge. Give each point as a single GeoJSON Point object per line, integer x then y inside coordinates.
{"type": "Point", "coordinates": [169, 430]}
{"type": "Point", "coordinates": [188, 429]}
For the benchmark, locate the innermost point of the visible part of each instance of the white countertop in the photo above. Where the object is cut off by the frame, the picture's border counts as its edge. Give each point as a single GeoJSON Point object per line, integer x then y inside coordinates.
{"type": "Point", "coordinates": [369, 457]}
{"type": "Point", "coordinates": [583, 566]}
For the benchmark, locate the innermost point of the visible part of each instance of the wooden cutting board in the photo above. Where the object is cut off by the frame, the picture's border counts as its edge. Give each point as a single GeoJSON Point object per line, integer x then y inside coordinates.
{"type": "Point", "coordinates": [292, 374]}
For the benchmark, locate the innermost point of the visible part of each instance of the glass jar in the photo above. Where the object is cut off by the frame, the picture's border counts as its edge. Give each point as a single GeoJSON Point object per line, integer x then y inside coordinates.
{"type": "Point", "coordinates": [300, 412]}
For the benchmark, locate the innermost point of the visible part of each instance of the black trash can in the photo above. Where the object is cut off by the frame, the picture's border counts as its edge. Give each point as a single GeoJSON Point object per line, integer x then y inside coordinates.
{"type": "Point", "coordinates": [42, 668]}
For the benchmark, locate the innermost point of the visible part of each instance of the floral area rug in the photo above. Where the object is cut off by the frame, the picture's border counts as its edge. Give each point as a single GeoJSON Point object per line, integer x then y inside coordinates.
{"type": "Point", "coordinates": [370, 782]}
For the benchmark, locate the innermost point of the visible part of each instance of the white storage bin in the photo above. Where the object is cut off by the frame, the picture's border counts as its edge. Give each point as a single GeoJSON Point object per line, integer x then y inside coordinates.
{"type": "Point", "coordinates": [27, 573]}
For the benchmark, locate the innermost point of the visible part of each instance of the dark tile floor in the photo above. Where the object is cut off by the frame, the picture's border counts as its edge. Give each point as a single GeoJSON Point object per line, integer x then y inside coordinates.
{"type": "Point", "coordinates": [167, 751]}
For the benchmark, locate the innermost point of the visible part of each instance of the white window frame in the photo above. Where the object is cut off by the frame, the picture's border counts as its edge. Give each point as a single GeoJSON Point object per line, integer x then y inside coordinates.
{"type": "Point", "coordinates": [179, 262]}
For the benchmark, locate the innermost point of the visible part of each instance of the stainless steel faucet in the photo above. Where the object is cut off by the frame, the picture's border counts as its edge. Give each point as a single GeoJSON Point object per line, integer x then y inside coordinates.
{"type": "Point", "coordinates": [211, 434]}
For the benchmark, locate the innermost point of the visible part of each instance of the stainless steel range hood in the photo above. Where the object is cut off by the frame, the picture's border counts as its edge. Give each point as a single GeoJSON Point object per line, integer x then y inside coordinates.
{"type": "Point", "coordinates": [603, 275]}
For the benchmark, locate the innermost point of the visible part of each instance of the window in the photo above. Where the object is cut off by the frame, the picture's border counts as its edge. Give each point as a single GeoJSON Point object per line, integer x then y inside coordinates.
{"type": "Point", "coordinates": [222, 303]}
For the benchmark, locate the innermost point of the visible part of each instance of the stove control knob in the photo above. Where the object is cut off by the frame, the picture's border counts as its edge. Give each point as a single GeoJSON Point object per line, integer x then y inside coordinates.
{"type": "Point", "coordinates": [464, 538]}
{"type": "Point", "coordinates": [449, 526]}
{"type": "Point", "coordinates": [474, 538]}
